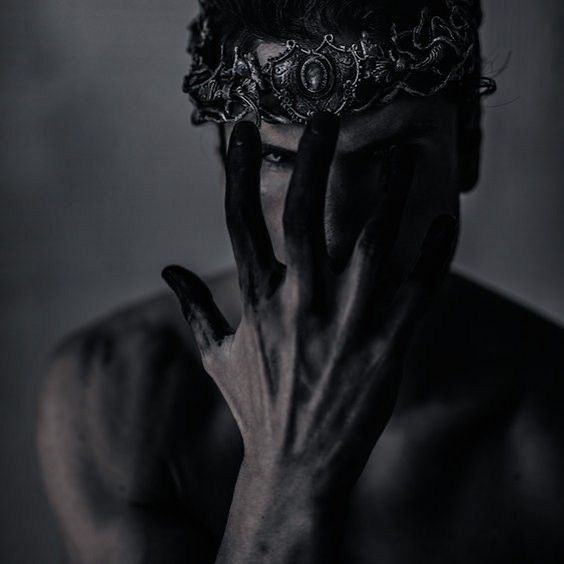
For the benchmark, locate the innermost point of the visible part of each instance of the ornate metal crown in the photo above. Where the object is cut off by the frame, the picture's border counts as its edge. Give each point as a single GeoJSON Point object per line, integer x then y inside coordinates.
{"type": "Point", "coordinates": [334, 78]}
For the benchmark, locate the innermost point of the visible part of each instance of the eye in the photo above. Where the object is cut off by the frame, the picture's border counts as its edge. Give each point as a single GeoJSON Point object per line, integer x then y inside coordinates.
{"type": "Point", "coordinates": [276, 157]}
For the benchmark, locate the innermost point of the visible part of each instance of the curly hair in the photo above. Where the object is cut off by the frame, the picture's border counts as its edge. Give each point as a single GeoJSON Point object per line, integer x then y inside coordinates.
{"type": "Point", "coordinates": [310, 19]}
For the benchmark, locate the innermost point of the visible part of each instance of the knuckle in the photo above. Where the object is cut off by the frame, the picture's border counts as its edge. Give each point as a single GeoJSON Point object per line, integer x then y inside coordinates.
{"type": "Point", "coordinates": [255, 301]}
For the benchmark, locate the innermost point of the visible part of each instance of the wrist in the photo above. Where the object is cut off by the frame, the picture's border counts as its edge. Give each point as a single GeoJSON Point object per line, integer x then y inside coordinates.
{"type": "Point", "coordinates": [270, 477]}
{"type": "Point", "coordinates": [278, 515]}
{"type": "Point", "coordinates": [315, 483]}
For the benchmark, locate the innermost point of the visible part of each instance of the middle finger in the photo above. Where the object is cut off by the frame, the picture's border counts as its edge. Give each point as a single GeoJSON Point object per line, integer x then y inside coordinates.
{"type": "Point", "coordinates": [304, 210]}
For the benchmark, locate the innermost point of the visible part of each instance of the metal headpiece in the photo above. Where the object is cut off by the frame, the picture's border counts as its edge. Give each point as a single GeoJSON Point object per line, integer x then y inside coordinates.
{"type": "Point", "coordinates": [333, 78]}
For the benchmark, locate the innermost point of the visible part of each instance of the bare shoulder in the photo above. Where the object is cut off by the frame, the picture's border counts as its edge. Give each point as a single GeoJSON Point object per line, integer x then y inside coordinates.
{"type": "Point", "coordinates": [523, 352]}
{"type": "Point", "coordinates": [495, 423]}
{"type": "Point", "coordinates": [115, 355]}
{"type": "Point", "coordinates": [122, 330]}
{"type": "Point", "coordinates": [124, 409]}
{"type": "Point", "coordinates": [103, 381]}
{"type": "Point", "coordinates": [488, 331]}
{"type": "Point", "coordinates": [145, 337]}
{"type": "Point", "coordinates": [502, 342]}
{"type": "Point", "coordinates": [142, 348]}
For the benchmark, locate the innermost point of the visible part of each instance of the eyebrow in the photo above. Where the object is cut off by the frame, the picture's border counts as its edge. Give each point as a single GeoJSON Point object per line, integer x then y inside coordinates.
{"type": "Point", "coordinates": [408, 133]}
{"type": "Point", "coordinates": [271, 148]}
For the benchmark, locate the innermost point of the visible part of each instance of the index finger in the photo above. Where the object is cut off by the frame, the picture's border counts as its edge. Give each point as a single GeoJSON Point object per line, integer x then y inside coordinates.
{"type": "Point", "coordinates": [305, 201]}
{"type": "Point", "coordinates": [250, 239]}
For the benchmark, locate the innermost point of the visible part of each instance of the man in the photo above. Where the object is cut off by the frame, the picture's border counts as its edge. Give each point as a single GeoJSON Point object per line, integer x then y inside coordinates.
{"type": "Point", "coordinates": [343, 398]}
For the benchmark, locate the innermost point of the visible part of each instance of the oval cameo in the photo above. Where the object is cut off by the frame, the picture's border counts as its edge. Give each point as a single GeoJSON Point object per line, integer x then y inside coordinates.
{"type": "Point", "coordinates": [316, 75]}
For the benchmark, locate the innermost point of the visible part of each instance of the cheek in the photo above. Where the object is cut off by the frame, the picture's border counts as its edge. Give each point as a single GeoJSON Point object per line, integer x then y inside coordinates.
{"type": "Point", "coordinates": [434, 192]}
{"type": "Point", "coordinates": [274, 186]}
{"type": "Point", "coordinates": [351, 201]}
{"type": "Point", "coordinates": [352, 196]}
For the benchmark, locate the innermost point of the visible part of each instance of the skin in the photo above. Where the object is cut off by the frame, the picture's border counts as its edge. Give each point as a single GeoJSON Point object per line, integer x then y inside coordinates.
{"type": "Point", "coordinates": [292, 450]}
{"type": "Point", "coordinates": [311, 373]}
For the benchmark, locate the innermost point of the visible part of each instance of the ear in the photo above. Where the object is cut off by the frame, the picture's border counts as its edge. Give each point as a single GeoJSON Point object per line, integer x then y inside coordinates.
{"type": "Point", "coordinates": [469, 143]}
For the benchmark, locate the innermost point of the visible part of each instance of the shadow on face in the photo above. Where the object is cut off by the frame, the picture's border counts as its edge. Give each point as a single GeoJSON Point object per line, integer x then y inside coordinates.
{"type": "Point", "coordinates": [429, 124]}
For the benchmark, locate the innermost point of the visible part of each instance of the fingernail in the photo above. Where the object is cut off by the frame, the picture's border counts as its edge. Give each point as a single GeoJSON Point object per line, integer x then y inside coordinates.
{"type": "Point", "coordinates": [171, 276]}
{"type": "Point", "coordinates": [323, 123]}
{"type": "Point", "coordinates": [244, 133]}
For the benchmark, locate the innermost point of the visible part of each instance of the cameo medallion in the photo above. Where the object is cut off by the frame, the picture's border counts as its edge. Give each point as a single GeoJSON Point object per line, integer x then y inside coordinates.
{"type": "Point", "coordinates": [316, 76]}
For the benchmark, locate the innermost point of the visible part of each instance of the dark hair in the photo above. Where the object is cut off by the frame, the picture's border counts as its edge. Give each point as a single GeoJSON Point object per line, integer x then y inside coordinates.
{"type": "Point", "coordinates": [311, 19]}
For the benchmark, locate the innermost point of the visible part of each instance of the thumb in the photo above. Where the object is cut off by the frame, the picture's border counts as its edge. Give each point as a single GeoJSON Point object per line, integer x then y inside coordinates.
{"type": "Point", "coordinates": [208, 324]}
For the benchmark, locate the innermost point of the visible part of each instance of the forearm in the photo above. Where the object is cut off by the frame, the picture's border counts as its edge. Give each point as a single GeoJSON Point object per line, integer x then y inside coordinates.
{"type": "Point", "coordinates": [280, 519]}
{"type": "Point", "coordinates": [314, 365]}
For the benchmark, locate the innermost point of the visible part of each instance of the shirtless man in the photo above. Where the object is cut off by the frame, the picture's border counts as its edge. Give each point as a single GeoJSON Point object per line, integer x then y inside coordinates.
{"type": "Point", "coordinates": [344, 398]}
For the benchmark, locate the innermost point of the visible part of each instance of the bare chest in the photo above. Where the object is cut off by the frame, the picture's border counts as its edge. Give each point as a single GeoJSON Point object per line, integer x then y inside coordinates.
{"type": "Point", "coordinates": [444, 491]}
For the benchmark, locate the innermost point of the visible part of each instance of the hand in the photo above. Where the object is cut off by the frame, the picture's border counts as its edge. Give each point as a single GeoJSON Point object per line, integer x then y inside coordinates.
{"type": "Point", "coordinates": [312, 371]}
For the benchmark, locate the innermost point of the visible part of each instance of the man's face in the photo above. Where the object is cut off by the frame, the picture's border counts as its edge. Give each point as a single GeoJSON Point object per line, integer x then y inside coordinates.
{"type": "Point", "coordinates": [429, 124]}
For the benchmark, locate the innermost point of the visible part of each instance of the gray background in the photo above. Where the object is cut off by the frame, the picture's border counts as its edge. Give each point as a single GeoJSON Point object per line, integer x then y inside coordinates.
{"type": "Point", "coordinates": [104, 181]}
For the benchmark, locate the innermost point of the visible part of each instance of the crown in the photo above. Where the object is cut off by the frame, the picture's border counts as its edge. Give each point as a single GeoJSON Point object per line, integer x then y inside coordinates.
{"type": "Point", "coordinates": [291, 86]}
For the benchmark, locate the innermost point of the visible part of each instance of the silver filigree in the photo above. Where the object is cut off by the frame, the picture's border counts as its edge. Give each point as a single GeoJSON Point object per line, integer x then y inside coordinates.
{"type": "Point", "coordinates": [309, 80]}
{"type": "Point", "coordinates": [334, 78]}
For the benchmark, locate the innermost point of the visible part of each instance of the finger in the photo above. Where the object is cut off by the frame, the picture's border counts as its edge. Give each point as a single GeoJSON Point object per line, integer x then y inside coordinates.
{"type": "Point", "coordinates": [431, 267]}
{"type": "Point", "coordinates": [375, 244]}
{"type": "Point", "coordinates": [208, 324]}
{"type": "Point", "coordinates": [305, 201]}
{"type": "Point", "coordinates": [251, 242]}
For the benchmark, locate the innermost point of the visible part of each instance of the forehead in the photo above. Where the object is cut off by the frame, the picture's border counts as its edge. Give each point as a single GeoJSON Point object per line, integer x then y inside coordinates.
{"type": "Point", "coordinates": [357, 130]}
